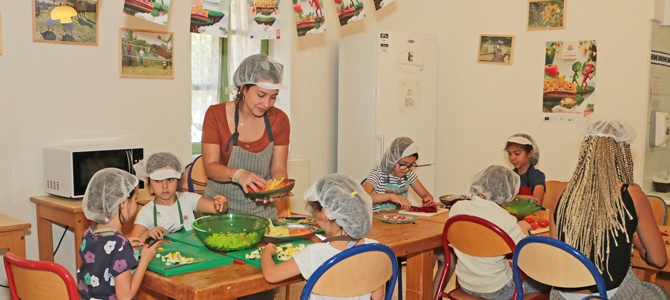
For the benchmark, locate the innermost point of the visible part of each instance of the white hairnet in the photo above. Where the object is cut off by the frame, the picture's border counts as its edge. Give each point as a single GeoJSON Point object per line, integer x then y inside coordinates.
{"type": "Point", "coordinates": [107, 189]}
{"type": "Point", "coordinates": [620, 130]}
{"type": "Point", "coordinates": [260, 70]}
{"type": "Point", "coordinates": [496, 183]}
{"type": "Point", "coordinates": [156, 161]}
{"type": "Point", "coordinates": [345, 202]}
{"type": "Point", "coordinates": [536, 150]}
{"type": "Point", "coordinates": [400, 147]}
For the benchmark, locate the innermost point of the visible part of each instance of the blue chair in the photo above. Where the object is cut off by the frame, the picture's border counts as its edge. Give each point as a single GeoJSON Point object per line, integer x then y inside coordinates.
{"type": "Point", "coordinates": [658, 208]}
{"type": "Point", "coordinates": [555, 263]}
{"type": "Point", "coordinates": [353, 272]}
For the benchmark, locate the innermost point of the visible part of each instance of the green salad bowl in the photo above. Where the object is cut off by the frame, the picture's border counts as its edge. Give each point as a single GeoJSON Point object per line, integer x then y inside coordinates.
{"type": "Point", "coordinates": [230, 232]}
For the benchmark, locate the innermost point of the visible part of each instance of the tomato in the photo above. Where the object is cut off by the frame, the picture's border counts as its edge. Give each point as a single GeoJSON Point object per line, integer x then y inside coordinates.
{"type": "Point", "coordinates": [533, 226]}
{"type": "Point", "coordinates": [543, 223]}
{"type": "Point", "coordinates": [530, 220]}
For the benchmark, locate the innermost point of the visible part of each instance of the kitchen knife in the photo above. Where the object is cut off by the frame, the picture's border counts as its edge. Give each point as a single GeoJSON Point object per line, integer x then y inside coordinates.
{"type": "Point", "coordinates": [184, 264]}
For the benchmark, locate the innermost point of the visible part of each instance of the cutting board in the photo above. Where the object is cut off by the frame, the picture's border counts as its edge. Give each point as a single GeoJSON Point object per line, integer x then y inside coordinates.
{"type": "Point", "coordinates": [257, 262]}
{"type": "Point", "coordinates": [317, 231]}
{"type": "Point", "coordinates": [186, 237]}
{"type": "Point", "coordinates": [423, 214]}
{"type": "Point", "coordinates": [213, 259]}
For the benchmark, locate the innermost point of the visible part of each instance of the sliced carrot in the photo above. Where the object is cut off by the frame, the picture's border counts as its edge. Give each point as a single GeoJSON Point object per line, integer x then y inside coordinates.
{"type": "Point", "coordinates": [300, 232]}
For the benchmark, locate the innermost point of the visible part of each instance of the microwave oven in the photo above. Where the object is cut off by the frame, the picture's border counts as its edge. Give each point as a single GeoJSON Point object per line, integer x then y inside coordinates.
{"type": "Point", "coordinates": [69, 168]}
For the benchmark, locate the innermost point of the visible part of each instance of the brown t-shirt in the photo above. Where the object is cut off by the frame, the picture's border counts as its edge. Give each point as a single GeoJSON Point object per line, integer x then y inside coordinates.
{"type": "Point", "coordinates": [215, 130]}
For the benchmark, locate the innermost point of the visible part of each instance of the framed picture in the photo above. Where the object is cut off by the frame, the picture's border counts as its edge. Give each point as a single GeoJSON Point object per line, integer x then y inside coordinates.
{"type": "Point", "coordinates": [546, 14]}
{"type": "Point", "coordinates": [155, 11]}
{"type": "Point", "coordinates": [66, 22]}
{"type": "Point", "coordinates": [495, 49]}
{"type": "Point", "coordinates": [146, 53]}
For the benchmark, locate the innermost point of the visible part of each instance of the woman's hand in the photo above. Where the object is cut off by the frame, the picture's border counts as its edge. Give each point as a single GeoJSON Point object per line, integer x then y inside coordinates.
{"type": "Point", "coordinates": [275, 199]}
{"type": "Point", "coordinates": [219, 201]}
{"type": "Point", "coordinates": [156, 232]}
{"type": "Point", "coordinates": [404, 203]}
{"type": "Point", "coordinates": [249, 179]}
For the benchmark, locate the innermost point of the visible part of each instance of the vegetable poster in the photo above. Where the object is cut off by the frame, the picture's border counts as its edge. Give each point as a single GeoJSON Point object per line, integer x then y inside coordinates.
{"type": "Point", "coordinates": [263, 16]}
{"type": "Point", "coordinates": [308, 15]}
{"type": "Point", "coordinates": [151, 10]}
{"type": "Point", "coordinates": [210, 17]}
{"type": "Point", "coordinates": [349, 11]}
{"type": "Point", "coordinates": [381, 3]}
{"type": "Point", "coordinates": [569, 80]}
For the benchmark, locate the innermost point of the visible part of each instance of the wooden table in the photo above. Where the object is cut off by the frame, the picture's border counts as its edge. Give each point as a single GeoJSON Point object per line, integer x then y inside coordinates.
{"type": "Point", "coordinates": [649, 272]}
{"type": "Point", "coordinates": [415, 240]}
{"type": "Point", "coordinates": [12, 235]}
{"type": "Point", "coordinates": [66, 212]}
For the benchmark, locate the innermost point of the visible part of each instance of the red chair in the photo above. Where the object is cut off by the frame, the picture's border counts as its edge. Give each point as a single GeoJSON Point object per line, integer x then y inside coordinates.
{"type": "Point", "coordinates": [476, 237]}
{"type": "Point", "coordinates": [29, 279]}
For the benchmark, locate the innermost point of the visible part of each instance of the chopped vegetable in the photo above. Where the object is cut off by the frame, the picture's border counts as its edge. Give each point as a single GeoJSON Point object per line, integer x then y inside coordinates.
{"type": "Point", "coordinates": [174, 258]}
{"type": "Point", "coordinates": [284, 252]}
{"type": "Point", "coordinates": [396, 218]}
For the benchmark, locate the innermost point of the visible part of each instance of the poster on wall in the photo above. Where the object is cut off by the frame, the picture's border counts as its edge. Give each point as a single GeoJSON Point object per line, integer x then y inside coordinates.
{"type": "Point", "coordinates": [349, 11]}
{"type": "Point", "coordinates": [308, 15]}
{"type": "Point", "coordinates": [263, 16]}
{"type": "Point", "coordinates": [65, 22]}
{"type": "Point", "coordinates": [210, 17]}
{"type": "Point", "coordinates": [381, 3]}
{"type": "Point", "coordinates": [546, 14]}
{"type": "Point", "coordinates": [495, 49]}
{"type": "Point", "coordinates": [155, 11]}
{"type": "Point", "coordinates": [569, 84]}
{"type": "Point", "coordinates": [146, 54]}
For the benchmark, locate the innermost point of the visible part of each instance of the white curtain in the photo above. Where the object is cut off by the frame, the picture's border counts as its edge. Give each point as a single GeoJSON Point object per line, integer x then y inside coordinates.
{"type": "Point", "coordinates": [239, 44]}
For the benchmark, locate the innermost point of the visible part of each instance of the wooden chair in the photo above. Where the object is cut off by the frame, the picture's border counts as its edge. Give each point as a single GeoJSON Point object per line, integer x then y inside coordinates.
{"type": "Point", "coordinates": [659, 208]}
{"type": "Point", "coordinates": [567, 268]}
{"type": "Point", "coordinates": [194, 178]}
{"type": "Point", "coordinates": [29, 279]}
{"type": "Point", "coordinates": [476, 237]}
{"type": "Point", "coordinates": [353, 272]}
{"type": "Point", "coordinates": [549, 192]}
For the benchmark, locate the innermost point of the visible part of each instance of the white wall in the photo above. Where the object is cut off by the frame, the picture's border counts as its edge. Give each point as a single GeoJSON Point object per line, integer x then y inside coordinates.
{"type": "Point", "coordinates": [56, 93]}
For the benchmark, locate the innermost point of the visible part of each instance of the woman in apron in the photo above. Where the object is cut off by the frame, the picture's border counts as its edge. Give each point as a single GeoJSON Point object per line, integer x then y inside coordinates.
{"type": "Point", "coordinates": [245, 142]}
{"type": "Point", "coordinates": [524, 154]}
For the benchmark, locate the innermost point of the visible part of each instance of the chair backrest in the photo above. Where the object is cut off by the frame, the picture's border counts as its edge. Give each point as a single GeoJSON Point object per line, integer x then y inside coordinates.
{"type": "Point", "coordinates": [29, 279]}
{"type": "Point", "coordinates": [549, 192]}
{"type": "Point", "coordinates": [659, 208]}
{"type": "Point", "coordinates": [194, 178]}
{"type": "Point", "coordinates": [554, 263]}
{"type": "Point", "coordinates": [354, 272]}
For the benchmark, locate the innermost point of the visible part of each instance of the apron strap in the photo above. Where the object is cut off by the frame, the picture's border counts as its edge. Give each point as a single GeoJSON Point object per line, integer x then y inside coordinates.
{"type": "Point", "coordinates": [351, 241]}
{"type": "Point", "coordinates": [181, 216]}
{"type": "Point", "coordinates": [234, 138]}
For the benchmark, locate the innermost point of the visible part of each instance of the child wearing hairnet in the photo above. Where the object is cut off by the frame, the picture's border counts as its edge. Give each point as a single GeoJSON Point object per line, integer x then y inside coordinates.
{"type": "Point", "coordinates": [388, 184]}
{"type": "Point", "coordinates": [523, 154]}
{"type": "Point", "coordinates": [170, 210]}
{"type": "Point", "coordinates": [344, 211]}
{"type": "Point", "coordinates": [107, 256]}
{"type": "Point", "coordinates": [491, 277]}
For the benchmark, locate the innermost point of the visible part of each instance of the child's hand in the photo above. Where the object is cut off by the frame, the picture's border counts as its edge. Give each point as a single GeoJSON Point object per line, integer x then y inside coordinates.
{"type": "Point", "coordinates": [135, 241]}
{"type": "Point", "coordinates": [270, 249]}
{"type": "Point", "coordinates": [404, 203]}
{"type": "Point", "coordinates": [427, 202]}
{"type": "Point", "coordinates": [156, 232]}
{"type": "Point", "coordinates": [525, 227]}
{"type": "Point", "coordinates": [219, 201]}
{"type": "Point", "coordinates": [149, 253]}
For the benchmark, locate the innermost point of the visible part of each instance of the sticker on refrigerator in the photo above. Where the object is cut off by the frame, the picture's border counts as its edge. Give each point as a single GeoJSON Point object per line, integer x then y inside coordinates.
{"type": "Point", "coordinates": [384, 37]}
{"type": "Point", "coordinates": [410, 62]}
{"type": "Point", "coordinates": [384, 48]}
{"type": "Point", "coordinates": [410, 96]}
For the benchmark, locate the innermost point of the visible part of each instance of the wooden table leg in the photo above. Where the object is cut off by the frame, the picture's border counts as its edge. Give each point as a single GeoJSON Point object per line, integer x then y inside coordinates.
{"type": "Point", "coordinates": [45, 238]}
{"type": "Point", "coordinates": [80, 227]}
{"type": "Point", "coordinates": [420, 276]}
{"type": "Point", "coordinates": [18, 243]}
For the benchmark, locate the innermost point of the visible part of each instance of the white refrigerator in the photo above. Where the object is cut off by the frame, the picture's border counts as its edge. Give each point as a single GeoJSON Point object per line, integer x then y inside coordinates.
{"type": "Point", "coordinates": [387, 88]}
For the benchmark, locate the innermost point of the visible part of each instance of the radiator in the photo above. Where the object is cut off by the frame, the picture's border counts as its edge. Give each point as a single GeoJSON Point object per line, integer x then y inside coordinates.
{"type": "Point", "coordinates": [299, 170]}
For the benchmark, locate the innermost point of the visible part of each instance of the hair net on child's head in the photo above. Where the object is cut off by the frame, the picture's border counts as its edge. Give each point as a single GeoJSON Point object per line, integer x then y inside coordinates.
{"type": "Point", "coordinates": [620, 130]}
{"type": "Point", "coordinates": [400, 147]}
{"type": "Point", "coordinates": [107, 189]}
{"type": "Point", "coordinates": [260, 70]}
{"type": "Point", "coordinates": [147, 167]}
{"type": "Point", "coordinates": [496, 183]}
{"type": "Point", "coordinates": [524, 139]}
{"type": "Point", "coordinates": [345, 201]}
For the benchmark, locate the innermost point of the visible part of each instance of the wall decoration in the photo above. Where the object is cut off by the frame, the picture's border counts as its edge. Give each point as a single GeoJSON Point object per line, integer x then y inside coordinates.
{"type": "Point", "coordinates": [308, 15]}
{"type": "Point", "coordinates": [155, 11]}
{"type": "Point", "coordinates": [146, 54]}
{"type": "Point", "coordinates": [0, 34]}
{"type": "Point", "coordinates": [65, 22]}
{"type": "Point", "coordinates": [263, 16]}
{"type": "Point", "coordinates": [546, 14]}
{"type": "Point", "coordinates": [569, 83]}
{"type": "Point", "coordinates": [210, 17]}
{"type": "Point", "coordinates": [381, 3]}
{"type": "Point", "coordinates": [495, 49]}
{"type": "Point", "coordinates": [349, 11]}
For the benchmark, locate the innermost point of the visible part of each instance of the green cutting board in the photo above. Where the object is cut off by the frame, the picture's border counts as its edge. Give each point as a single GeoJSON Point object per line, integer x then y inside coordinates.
{"type": "Point", "coordinates": [317, 231]}
{"type": "Point", "coordinates": [213, 259]}
{"type": "Point", "coordinates": [257, 262]}
{"type": "Point", "coordinates": [186, 237]}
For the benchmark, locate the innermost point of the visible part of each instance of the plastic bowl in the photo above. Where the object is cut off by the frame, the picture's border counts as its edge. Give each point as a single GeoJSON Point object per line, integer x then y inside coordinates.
{"type": "Point", "coordinates": [284, 239]}
{"type": "Point", "coordinates": [520, 207]}
{"type": "Point", "coordinates": [449, 200]}
{"type": "Point", "coordinates": [230, 232]}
